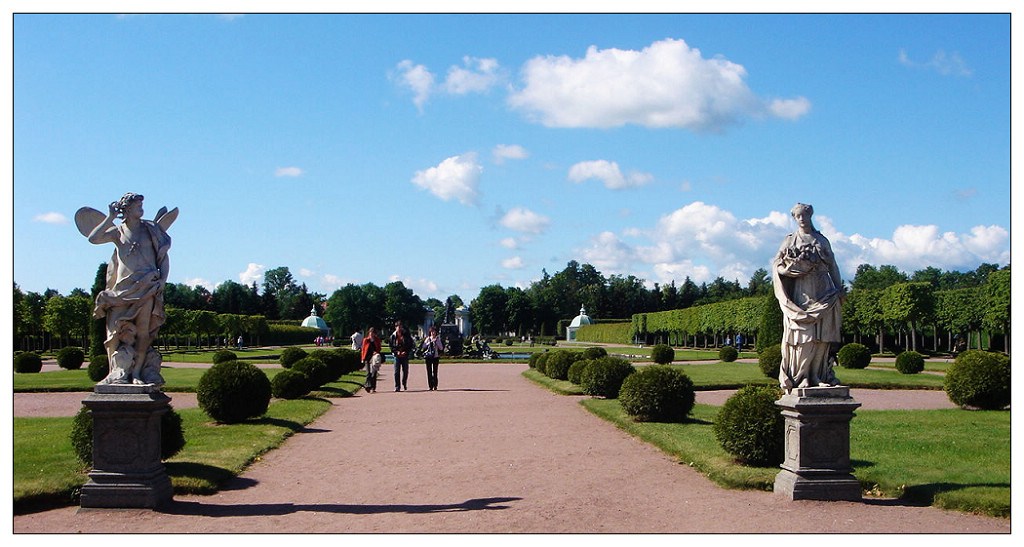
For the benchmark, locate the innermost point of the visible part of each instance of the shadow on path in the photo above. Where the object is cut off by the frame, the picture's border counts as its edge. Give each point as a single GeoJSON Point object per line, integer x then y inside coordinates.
{"type": "Point", "coordinates": [191, 508]}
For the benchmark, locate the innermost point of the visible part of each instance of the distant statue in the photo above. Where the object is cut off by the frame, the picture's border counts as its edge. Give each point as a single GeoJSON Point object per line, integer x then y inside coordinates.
{"type": "Point", "coordinates": [810, 292]}
{"type": "Point", "coordinates": [133, 300]}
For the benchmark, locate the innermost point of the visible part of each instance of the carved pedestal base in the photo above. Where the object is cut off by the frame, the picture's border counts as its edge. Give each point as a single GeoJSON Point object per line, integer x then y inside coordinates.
{"type": "Point", "coordinates": [817, 461]}
{"type": "Point", "coordinates": [127, 472]}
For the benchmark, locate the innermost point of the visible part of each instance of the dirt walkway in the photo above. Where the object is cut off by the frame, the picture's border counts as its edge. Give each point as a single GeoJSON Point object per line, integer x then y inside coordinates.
{"type": "Point", "coordinates": [489, 452]}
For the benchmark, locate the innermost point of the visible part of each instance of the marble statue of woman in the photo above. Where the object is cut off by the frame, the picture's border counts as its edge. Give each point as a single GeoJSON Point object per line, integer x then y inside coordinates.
{"type": "Point", "coordinates": [133, 300]}
{"type": "Point", "coordinates": [810, 292]}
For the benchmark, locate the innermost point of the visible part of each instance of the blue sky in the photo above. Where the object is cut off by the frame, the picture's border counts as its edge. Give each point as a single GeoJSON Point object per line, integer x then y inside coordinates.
{"type": "Point", "coordinates": [453, 152]}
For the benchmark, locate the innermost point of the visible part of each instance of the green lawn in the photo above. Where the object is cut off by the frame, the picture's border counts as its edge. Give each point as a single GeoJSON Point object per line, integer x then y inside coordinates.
{"type": "Point", "coordinates": [182, 379]}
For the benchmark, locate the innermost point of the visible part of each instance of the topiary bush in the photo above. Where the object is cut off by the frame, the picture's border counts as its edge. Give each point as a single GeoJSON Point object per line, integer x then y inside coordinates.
{"type": "Point", "coordinates": [28, 362]}
{"type": "Point", "coordinates": [224, 355]}
{"type": "Point", "coordinates": [290, 355]}
{"type": "Point", "coordinates": [910, 362]}
{"type": "Point", "coordinates": [557, 366]}
{"type": "Point", "coordinates": [751, 428]}
{"type": "Point", "coordinates": [657, 393]}
{"type": "Point", "coordinates": [335, 363]}
{"type": "Point", "coordinates": [594, 352]}
{"type": "Point", "coordinates": [70, 358]}
{"type": "Point", "coordinates": [315, 369]}
{"type": "Point", "coordinates": [351, 360]}
{"type": "Point", "coordinates": [770, 360]}
{"type": "Point", "coordinates": [663, 354]}
{"type": "Point", "coordinates": [98, 368]}
{"type": "Point", "coordinates": [290, 384]}
{"type": "Point", "coordinates": [728, 354]}
{"type": "Point", "coordinates": [172, 435]}
{"type": "Point", "coordinates": [979, 379]}
{"type": "Point", "coordinates": [542, 360]}
{"type": "Point", "coordinates": [604, 376]}
{"type": "Point", "coordinates": [233, 391]}
{"type": "Point", "coordinates": [576, 370]}
{"type": "Point", "coordinates": [532, 361]}
{"type": "Point", "coordinates": [854, 355]}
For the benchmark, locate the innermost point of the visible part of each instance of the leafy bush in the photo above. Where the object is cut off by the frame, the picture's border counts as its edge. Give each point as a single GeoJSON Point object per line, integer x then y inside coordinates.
{"type": "Point", "coordinates": [750, 426]}
{"type": "Point", "coordinates": [557, 366]}
{"type": "Point", "coordinates": [70, 358]}
{"type": "Point", "coordinates": [910, 362]}
{"type": "Point", "coordinates": [290, 355]}
{"type": "Point", "coordinates": [575, 374]}
{"type": "Point", "coordinates": [604, 376]}
{"type": "Point", "coordinates": [172, 435]}
{"type": "Point", "coordinates": [224, 355]}
{"type": "Point", "coordinates": [315, 369]}
{"type": "Point", "coordinates": [334, 362]}
{"type": "Point", "coordinates": [290, 384]}
{"type": "Point", "coordinates": [99, 367]}
{"type": "Point", "coordinates": [350, 360]}
{"type": "Point", "coordinates": [657, 393]}
{"type": "Point", "coordinates": [728, 354]}
{"type": "Point", "coordinates": [233, 391]}
{"type": "Point", "coordinates": [769, 331]}
{"type": "Point", "coordinates": [854, 355]}
{"type": "Point", "coordinates": [28, 362]}
{"type": "Point", "coordinates": [542, 360]}
{"type": "Point", "coordinates": [532, 361]}
{"type": "Point", "coordinates": [663, 354]}
{"type": "Point", "coordinates": [594, 352]}
{"type": "Point", "coordinates": [979, 379]}
{"type": "Point", "coordinates": [770, 360]}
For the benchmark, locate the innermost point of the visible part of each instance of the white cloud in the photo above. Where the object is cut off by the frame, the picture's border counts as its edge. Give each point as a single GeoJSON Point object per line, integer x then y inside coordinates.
{"type": "Point", "coordinates": [608, 173]}
{"type": "Point", "coordinates": [253, 272]}
{"type": "Point", "coordinates": [200, 282]}
{"type": "Point", "coordinates": [417, 78]}
{"type": "Point", "coordinates": [509, 243]}
{"type": "Point", "coordinates": [524, 220]}
{"type": "Point", "coordinates": [665, 85]}
{"type": "Point", "coordinates": [514, 263]}
{"type": "Point", "coordinates": [306, 272]}
{"type": "Point", "coordinates": [288, 172]}
{"type": "Point", "coordinates": [944, 64]}
{"type": "Point", "coordinates": [421, 286]}
{"type": "Point", "coordinates": [478, 76]}
{"type": "Point", "coordinates": [454, 178]}
{"type": "Point", "coordinates": [504, 152]}
{"type": "Point", "coordinates": [50, 218]}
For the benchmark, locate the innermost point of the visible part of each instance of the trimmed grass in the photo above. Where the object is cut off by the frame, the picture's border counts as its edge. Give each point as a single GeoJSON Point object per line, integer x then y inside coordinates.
{"type": "Point", "coordinates": [178, 380]}
{"type": "Point", "coordinates": [562, 387]}
{"type": "Point", "coordinates": [735, 375]}
{"type": "Point", "coordinates": [953, 459]}
{"type": "Point", "coordinates": [929, 366]}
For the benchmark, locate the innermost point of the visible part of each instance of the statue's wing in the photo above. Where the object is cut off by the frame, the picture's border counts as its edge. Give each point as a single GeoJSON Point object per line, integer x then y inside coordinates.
{"type": "Point", "coordinates": [165, 218]}
{"type": "Point", "coordinates": [87, 219]}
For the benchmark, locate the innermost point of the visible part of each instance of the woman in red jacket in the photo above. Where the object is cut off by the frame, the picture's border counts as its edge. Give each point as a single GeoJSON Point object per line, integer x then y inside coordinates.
{"type": "Point", "coordinates": [372, 359]}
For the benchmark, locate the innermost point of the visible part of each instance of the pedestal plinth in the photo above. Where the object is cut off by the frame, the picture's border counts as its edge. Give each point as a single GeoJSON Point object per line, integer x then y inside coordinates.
{"type": "Point", "coordinates": [127, 471]}
{"type": "Point", "coordinates": [817, 460]}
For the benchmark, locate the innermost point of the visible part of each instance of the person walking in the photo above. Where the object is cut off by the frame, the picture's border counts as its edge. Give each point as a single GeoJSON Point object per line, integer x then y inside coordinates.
{"type": "Point", "coordinates": [372, 359]}
{"type": "Point", "coordinates": [357, 340]}
{"type": "Point", "coordinates": [432, 347]}
{"type": "Point", "coordinates": [401, 346]}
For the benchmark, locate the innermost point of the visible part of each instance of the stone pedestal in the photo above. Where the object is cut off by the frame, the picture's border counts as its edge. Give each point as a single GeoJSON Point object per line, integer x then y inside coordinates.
{"type": "Point", "coordinates": [817, 460]}
{"type": "Point", "coordinates": [127, 471]}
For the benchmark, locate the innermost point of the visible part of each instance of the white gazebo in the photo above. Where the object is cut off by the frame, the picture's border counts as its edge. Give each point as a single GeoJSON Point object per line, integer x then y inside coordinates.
{"type": "Point", "coordinates": [577, 322]}
{"type": "Point", "coordinates": [316, 322]}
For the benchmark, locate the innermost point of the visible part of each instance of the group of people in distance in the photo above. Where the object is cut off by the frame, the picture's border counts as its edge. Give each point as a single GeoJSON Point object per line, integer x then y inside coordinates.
{"type": "Point", "coordinates": [402, 346]}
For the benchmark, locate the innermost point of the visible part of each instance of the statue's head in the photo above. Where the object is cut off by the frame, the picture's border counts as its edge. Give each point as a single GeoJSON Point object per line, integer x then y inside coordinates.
{"type": "Point", "coordinates": [801, 208]}
{"type": "Point", "coordinates": [802, 213]}
{"type": "Point", "coordinates": [127, 201]}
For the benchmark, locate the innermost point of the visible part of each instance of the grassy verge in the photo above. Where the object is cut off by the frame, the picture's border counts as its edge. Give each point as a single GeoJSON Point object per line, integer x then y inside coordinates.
{"type": "Point", "coordinates": [953, 459]}
{"type": "Point", "coordinates": [735, 375]}
{"type": "Point", "coordinates": [562, 387]}
{"type": "Point", "coordinates": [178, 380]}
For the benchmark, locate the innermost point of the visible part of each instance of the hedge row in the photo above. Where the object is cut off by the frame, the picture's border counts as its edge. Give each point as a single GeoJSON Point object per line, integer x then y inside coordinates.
{"type": "Point", "coordinates": [609, 333]}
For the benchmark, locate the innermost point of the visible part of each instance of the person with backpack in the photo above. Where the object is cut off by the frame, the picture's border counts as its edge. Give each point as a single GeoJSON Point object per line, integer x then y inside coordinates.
{"type": "Point", "coordinates": [401, 346]}
{"type": "Point", "coordinates": [432, 347]}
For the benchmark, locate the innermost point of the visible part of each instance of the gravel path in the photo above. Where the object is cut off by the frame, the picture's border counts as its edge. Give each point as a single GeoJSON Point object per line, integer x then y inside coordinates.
{"type": "Point", "coordinates": [488, 452]}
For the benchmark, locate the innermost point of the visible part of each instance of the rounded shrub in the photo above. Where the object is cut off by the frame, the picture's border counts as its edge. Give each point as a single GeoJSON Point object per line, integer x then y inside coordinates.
{"type": "Point", "coordinates": [910, 362]}
{"type": "Point", "coordinates": [233, 391]}
{"type": "Point", "coordinates": [290, 355]}
{"type": "Point", "coordinates": [542, 360]}
{"type": "Point", "coordinates": [728, 354]}
{"type": "Point", "coordinates": [557, 366]}
{"type": "Point", "coordinates": [335, 363]}
{"type": "Point", "coordinates": [98, 368]}
{"type": "Point", "coordinates": [576, 370]}
{"type": "Point", "coordinates": [532, 360]}
{"type": "Point", "coordinates": [314, 369]}
{"type": "Point", "coordinates": [979, 379]}
{"type": "Point", "coordinates": [172, 435]}
{"type": "Point", "coordinates": [770, 360]}
{"type": "Point", "coordinates": [28, 362]}
{"type": "Point", "coordinates": [350, 360]}
{"type": "Point", "coordinates": [594, 352]}
{"type": "Point", "coordinates": [854, 355]}
{"type": "Point", "coordinates": [289, 384]}
{"type": "Point", "coordinates": [70, 358]}
{"type": "Point", "coordinates": [663, 354]}
{"type": "Point", "coordinates": [751, 428]}
{"type": "Point", "coordinates": [604, 376]}
{"type": "Point", "coordinates": [224, 355]}
{"type": "Point", "coordinates": [657, 393]}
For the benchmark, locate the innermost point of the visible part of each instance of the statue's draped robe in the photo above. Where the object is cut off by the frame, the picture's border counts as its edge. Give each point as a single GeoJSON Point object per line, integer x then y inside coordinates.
{"type": "Point", "coordinates": [812, 314]}
{"type": "Point", "coordinates": [124, 299]}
